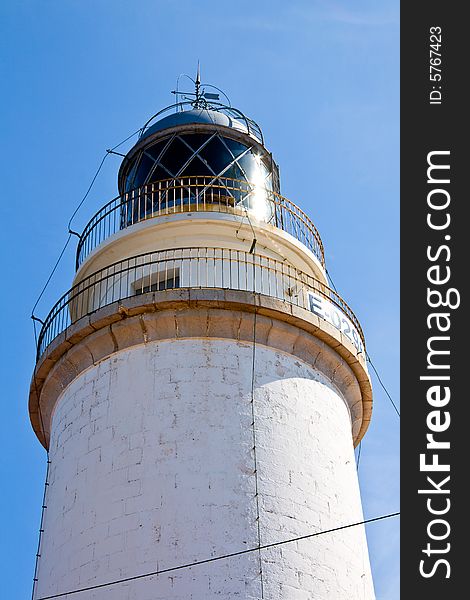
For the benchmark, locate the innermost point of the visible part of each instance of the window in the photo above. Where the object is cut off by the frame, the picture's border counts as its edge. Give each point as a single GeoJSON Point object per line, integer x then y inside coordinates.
{"type": "Point", "coordinates": [156, 282]}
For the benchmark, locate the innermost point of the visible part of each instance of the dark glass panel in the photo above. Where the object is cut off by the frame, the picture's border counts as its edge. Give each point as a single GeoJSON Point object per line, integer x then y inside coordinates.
{"type": "Point", "coordinates": [216, 155]}
{"type": "Point", "coordinates": [159, 174]}
{"type": "Point", "coordinates": [235, 147]}
{"type": "Point", "coordinates": [130, 177]}
{"type": "Point", "coordinates": [145, 164]}
{"type": "Point", "coordinates": [197, 167]}
{"type": "Point", "coordinates": [156, 149]}
{"type": "Point", "coordinates": [175, 156]}
{"type": "Point", "coordinates": [249, 165]}
{"type": "Point", "coordinates": [195, 140]}
{"type": "Point", "coordinates": [234, 172]}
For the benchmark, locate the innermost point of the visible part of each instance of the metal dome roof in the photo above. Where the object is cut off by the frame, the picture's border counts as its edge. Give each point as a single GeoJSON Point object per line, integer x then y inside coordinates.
{"type": "Point", "coordinates": [213, 114]}
{"type": "Point", "coordinates": [196, 115]}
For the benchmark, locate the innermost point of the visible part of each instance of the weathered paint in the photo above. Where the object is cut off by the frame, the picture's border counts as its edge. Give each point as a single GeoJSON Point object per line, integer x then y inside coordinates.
{"type": "Point", "coordinates": [152, 466]}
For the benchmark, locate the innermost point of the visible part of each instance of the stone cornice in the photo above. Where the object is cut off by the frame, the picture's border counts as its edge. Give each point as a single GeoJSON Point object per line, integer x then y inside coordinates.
{"type": "Point", "coordinates": [200, 313]}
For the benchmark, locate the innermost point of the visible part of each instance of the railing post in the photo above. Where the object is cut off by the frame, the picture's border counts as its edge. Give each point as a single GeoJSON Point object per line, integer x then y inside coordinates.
{"type": "Point", "coordinates": [208, 195]}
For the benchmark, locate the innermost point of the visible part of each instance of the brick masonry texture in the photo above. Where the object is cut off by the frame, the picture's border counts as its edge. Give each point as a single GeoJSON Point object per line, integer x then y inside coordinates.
{"type": "Point", "coordinates": [152, 466]}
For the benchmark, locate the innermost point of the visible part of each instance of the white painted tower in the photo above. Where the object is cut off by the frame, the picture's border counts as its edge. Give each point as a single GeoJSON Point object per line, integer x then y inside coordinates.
{"type": "Point", "coordinates": [200, 388]}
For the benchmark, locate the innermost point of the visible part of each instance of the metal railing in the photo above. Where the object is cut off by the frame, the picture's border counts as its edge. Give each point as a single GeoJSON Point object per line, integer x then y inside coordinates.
{"type": "Point", "coordinates": [198, 194]}
{"type": "Point", "coordinates": [216, 268]}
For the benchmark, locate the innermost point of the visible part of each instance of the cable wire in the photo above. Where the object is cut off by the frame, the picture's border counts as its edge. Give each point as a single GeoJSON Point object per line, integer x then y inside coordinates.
{"type": "Point", "coordinates": [51, 274]}
{"type": "Point", "coordinates": [108, 152]}
{"type": "Point", "coordinates": [253, 424]}
{"type": "Point", "coordinates": [46, 485]}
{"type": "Point", "coordinates": [382, 384]}
{"type": "Point", "coordinates": [80, 204]}
{"type": "Point", "coordinates": [34, 319]}
{"type": "Point", "coordinates": [331, 280]}
{"type": "Point", "coordinates": [370, 361]}
{"type": "Point", "coordinates": [358, 460]}
{"type": "Point", "coordinates": [217, 558]}
{"type": "Point", "coordinates": [41, 529]}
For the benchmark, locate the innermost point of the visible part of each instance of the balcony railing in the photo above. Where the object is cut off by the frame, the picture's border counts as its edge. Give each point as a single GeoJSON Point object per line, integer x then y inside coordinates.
{"type": "Point", "coordinates": [215, 268]}
{"type": "Point", "coordinates": [199, 194]}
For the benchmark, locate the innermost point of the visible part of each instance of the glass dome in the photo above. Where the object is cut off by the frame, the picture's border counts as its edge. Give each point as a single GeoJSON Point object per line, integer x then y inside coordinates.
{"type": "Point", "coordinates": [200, 145]}
{"type": "Point", "coordinates": [199, 154]}
{"type": "Point", "coordinates": [214, 149]}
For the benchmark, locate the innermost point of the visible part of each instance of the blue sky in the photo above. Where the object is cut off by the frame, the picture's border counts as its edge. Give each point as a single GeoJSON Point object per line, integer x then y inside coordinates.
{"type": "Point", "coordinates": [320, 77]}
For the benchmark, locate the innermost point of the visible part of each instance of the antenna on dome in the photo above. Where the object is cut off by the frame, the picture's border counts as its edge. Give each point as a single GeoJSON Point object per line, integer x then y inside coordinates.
{"type": "Point", "coordinates": [199, 98]}
{"type": "Point", "coordinates": [198, 85]}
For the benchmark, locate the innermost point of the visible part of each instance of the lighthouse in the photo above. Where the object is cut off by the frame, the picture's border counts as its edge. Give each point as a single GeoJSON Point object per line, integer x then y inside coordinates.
{"type": "Point", "coordinates": [200, 389]}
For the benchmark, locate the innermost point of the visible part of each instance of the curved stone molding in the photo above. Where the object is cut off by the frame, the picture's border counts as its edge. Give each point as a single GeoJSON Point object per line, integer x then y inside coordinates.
{"type": "Point", "coordinates": [200, 313]}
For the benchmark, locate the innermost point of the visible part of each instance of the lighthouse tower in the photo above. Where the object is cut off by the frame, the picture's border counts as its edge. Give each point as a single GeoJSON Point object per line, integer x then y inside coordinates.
{"type": "Point", "coordinates": [200, 389]}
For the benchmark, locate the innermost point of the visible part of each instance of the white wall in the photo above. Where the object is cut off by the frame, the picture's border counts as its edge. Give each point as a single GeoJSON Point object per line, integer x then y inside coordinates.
{"type": "Point", "coordinates": [152, 466]}
{"type": "Point", "coordinates": [204, 229]}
